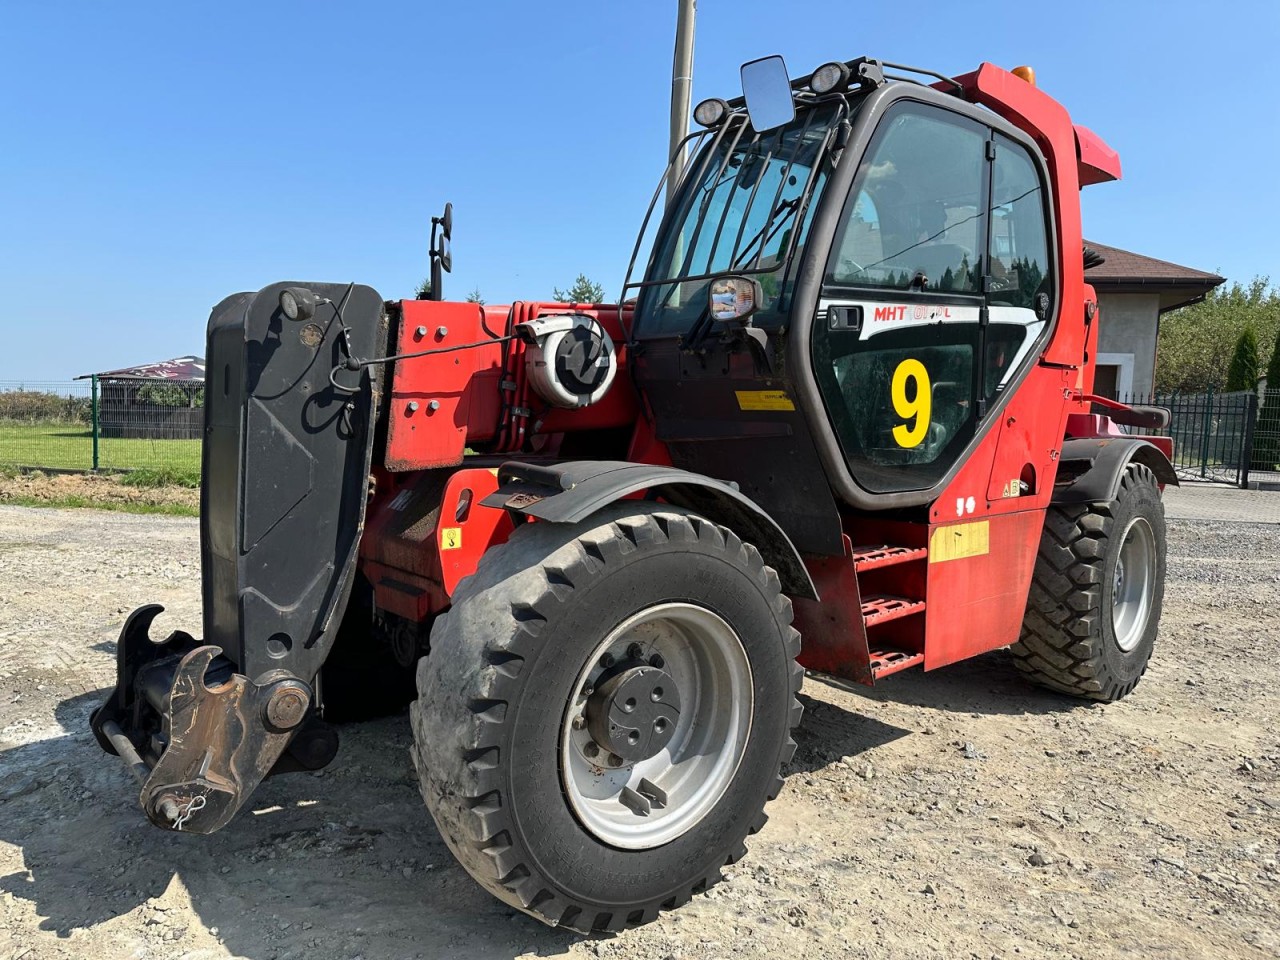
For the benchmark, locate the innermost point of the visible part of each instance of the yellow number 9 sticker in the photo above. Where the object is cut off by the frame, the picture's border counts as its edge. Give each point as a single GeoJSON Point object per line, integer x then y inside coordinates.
{"type": "Point", "coordinates": [919, 408]}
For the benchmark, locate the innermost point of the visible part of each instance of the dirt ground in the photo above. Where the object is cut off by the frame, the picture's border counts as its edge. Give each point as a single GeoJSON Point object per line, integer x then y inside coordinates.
{"type": "Point", "coordinates": [956, 814]}
{"type": "Point", "coordinates": [99, 490]}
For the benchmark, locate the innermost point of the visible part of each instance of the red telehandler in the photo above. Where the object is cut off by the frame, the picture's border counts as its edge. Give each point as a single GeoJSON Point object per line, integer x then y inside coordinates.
{"type": "Point", "coordinates": [841, 421]}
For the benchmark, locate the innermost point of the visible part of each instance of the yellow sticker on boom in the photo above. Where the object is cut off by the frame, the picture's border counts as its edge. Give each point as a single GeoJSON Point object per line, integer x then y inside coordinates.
{"type": "Point", "coordinates": [451, 538]}
{"type": "Point", "coordinates": [919, 408]}
{"type": "Point", "coordinates": [763, 400]}
{"type": "Point", "coordinates": [960, 540]}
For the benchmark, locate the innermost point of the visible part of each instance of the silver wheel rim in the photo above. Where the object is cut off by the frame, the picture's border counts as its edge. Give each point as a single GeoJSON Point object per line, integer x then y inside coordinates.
{"type": "Point", "coordinates": [652, 801]}
{"type": "Point", "coordinates": [1133, 584]}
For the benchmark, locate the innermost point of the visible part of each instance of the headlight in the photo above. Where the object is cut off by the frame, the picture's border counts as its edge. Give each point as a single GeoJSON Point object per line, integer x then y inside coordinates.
{"type": "Point", "coordinates": [298, 303]}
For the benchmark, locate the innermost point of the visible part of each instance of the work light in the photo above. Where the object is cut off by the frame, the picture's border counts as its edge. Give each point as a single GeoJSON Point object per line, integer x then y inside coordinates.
{"type": "Point", "coordinates": [829, 77]}
{"type": "Point", "coordinates": [710, 112]}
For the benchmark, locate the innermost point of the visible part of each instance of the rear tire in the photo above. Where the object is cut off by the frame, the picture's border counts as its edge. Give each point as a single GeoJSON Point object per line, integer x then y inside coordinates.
{"type": "Point", "coordinates": [1094, 606]}
{"type": "Point", "coordinates": [501, 721]}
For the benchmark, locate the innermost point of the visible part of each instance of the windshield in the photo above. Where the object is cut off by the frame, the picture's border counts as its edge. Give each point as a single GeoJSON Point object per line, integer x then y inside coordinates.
{"type": "Point", "coordinates": [746, 209]}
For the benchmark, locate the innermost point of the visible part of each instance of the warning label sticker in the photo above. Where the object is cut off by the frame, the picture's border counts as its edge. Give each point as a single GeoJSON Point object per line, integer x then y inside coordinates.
{"type": "Point", "coordinates": [451, 538]}
{"type": "Point", "coordinates": [763, 400]}
{"type": "Point", "coordinates": [960, 540]}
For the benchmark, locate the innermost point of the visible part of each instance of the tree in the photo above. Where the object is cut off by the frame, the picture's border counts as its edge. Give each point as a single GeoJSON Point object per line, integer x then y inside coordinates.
{"type": "Point", "coordinates": [1243, 372]}
{"type": "Point", "coordinates": [424, 290]}
{"type": "Point", "coordinates": [1273, 367]}
{"type": "Point", "coordinates": [475, 297]}
{"type": "Point", "coordinates": [1195, 343]}
{"type": "Point", "coordinates": [582, 291]}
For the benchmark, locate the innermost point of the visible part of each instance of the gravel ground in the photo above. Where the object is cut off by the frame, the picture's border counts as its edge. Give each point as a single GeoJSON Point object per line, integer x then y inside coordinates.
{"type": "Point", "coordinates": [954, 814]}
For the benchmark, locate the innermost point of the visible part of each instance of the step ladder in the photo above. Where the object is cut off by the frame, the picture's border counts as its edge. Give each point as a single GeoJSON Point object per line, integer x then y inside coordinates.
{"type": "Point", "coordinates": [880, 608]}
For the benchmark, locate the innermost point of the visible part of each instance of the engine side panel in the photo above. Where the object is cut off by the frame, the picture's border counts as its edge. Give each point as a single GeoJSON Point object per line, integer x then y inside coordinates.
{"type": "Point", "coordinates": [480, 397]}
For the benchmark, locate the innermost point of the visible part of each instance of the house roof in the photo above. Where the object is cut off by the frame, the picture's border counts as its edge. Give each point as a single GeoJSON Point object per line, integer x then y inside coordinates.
{"type": "Point", "coordinates": [179, 368]}
{"type": "Point", "coordinates": [1127, 272]}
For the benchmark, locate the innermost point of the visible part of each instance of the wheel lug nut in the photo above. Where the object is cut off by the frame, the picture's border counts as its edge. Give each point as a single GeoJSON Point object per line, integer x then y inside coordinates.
{"type": "Point", "coordinates": [607, 660]}
{"type": "Point", "coordinates": [591, 749]}
{"type": "Point", "coordinates": [588, 690]}
{"type": "Point", "coordinates": [635, 652]}
{"type": "Point", "coordinates": [656, 661]}
{"type": "Point", "coordinates": [615, 760]}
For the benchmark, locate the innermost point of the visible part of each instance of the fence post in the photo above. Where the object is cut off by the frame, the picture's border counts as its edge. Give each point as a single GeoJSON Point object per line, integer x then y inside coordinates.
{"type": "Point", "coordinates": [93, 406]}
{"type": "Point", "coordinates": [1250, 422]}
{"type": "Point", "coordinates": [1204, 434]}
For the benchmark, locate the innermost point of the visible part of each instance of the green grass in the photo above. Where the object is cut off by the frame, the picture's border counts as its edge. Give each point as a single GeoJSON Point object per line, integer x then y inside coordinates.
{"type": "Point", "coordinates": [161, 477]}
{"type": "Point", "coordinates": [167, 509]}
{"type": "Point", "coordinates": [69, 446]}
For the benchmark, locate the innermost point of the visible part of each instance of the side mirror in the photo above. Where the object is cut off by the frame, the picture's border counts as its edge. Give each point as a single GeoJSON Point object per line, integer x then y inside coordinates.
{"type": "Point", "coordinates": [767, 90]}
{"type": "Point", "coordinates": [446, 222]}
{"type": "Point", "coordinates": [446, 254]}
{"type": "Point", "coordinates": [734, 298]}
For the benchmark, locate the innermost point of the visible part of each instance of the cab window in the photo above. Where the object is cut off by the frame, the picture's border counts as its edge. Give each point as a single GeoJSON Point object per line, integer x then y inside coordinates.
{"type": "Point", "coordinates": [1020, 270]}
{"type": "Point", "coordinates": [917, 217]}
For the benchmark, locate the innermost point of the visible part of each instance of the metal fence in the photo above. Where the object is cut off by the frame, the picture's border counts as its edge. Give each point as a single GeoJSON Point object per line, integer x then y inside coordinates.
{"type": "Point", "coordinates": [102, 424]}
{"type": "Point", "coordinates": [1228, 437]}
{"type": "Point", "coordinates": [1265, 465]}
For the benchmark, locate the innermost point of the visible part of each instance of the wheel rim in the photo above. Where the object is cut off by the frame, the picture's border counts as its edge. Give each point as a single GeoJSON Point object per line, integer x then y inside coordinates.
{"type": "Point", "coordinates": [1133, 584]}
{"type": "Point", "coordinates": [691, 657]}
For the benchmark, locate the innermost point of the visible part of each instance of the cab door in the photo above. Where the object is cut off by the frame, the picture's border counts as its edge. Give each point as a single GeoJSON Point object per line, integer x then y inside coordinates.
{"type": "Point", "coordinates": [936, 297]}
{"type": "Point", "coordinates": [899, 334]}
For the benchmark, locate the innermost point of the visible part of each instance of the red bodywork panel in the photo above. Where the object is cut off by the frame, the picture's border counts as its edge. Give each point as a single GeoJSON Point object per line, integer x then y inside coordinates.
{"type": "Point", "coordinates": [442, 403]}
{"type": "Point", "coordinates": [425, 533]}
{"type": "Point", "coordinates": [976, 602]}
{"type": "Point", "coordinates": [1099, 163]}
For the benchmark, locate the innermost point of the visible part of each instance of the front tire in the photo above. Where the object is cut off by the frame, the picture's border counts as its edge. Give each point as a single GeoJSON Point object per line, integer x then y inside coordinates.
{"type": "Point", "coordinates": [1094, 606]}
{"type": "Point", "coordinates": [604, 713]}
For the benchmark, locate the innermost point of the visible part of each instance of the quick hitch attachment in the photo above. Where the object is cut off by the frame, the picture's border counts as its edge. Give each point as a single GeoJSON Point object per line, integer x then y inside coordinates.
{"type": "Point", "coordinates": [198, 736]}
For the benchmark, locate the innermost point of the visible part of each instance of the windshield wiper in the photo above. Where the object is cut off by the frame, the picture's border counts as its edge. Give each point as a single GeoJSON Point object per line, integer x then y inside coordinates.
{"type": "Point", "coordinates": [782, 214]}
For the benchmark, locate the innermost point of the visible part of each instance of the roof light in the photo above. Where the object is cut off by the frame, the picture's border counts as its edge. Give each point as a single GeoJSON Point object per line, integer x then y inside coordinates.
{"type": "Point", "coordinates": [1025, 73]}
{"type": "Point", "coordinates": [710, 112]}
{"type": "Point", "coordinates": [829, 77]}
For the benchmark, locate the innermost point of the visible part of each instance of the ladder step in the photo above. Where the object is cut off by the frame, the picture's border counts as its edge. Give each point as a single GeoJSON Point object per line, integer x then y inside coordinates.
{"type": "Point", "coordinates": [874, 557]}
{"type": "Point", "coordinates": [882, 609]}
{"type": "Point", "coordinates": [885, 662]}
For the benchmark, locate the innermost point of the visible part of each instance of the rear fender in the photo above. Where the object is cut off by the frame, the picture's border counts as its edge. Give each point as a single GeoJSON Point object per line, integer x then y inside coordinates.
{"type": "Point", "coordinates": [572, 492]}
{"type": "Point", "coordinates": [1091, 467]}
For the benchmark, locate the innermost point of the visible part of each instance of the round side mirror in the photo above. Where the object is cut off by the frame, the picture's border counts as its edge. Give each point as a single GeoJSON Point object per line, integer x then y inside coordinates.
{"type": "Point", "coordinates": [447, 222]}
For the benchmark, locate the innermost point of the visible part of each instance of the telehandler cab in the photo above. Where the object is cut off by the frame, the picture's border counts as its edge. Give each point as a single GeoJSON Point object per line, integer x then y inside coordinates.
{"type": "Point", "coordinates": [844, 422]}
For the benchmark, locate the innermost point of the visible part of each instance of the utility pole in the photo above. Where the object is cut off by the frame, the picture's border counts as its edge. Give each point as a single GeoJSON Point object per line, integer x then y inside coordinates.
{"type": "Point", "coordinates": [681, 87]}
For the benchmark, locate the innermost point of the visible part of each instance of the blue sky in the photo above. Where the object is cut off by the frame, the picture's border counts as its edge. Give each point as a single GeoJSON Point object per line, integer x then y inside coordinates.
{"type": "Point", "coordinates": [155, 157]}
